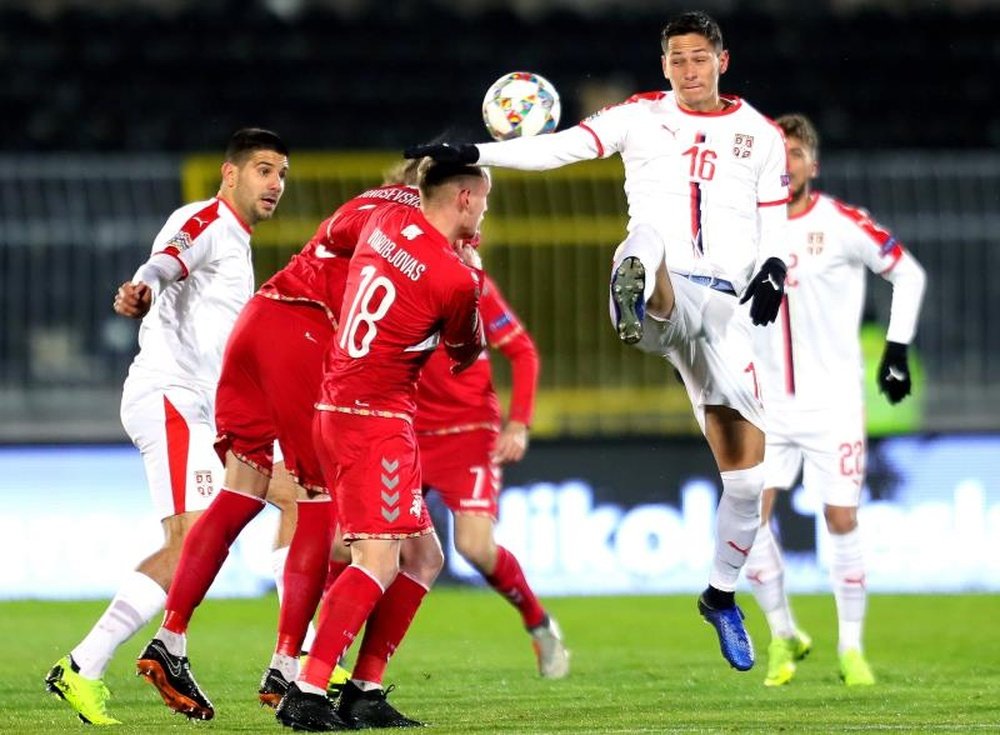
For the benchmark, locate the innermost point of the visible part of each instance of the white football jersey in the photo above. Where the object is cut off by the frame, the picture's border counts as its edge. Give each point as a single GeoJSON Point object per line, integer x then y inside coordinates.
{"type": "Point", "coordinates": [182, 337]}
{"type": "Point", "coordinates": [697, 178]}
{"type": "Point", "coordinates": [810, 358]}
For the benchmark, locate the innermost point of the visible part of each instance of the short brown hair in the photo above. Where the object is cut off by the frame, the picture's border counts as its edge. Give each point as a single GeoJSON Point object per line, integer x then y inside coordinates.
{"type": "Point", "coordinates": [797, 125]}
{"type": "Point", "coordinates": [697, 22]}
{"type": "Point", "coordinates": [432, 175]}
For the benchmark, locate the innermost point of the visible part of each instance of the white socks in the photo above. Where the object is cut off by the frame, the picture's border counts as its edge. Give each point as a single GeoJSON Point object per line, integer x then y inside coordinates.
{"type": "Point", "coordinates": [176, 643]}
{"type": "Point", "coordinates": [137, 602]}
{"type": "Point", "coordinates": [736, 523]}
{"type": "Point", "coordinates": [765, 570]}
{"type": "Point", "coordinates": [288, 666]}
{"type": "Point", "coordinates": [278, 559]}
{"type": "Point", "coordinates": [847, 576]}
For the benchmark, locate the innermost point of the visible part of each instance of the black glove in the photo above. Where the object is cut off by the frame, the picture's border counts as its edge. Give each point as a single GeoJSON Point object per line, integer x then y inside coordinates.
{"type": "Point", "coordinates": [767, 288]}
{"type": "Point", "coordinates": [894, 373]}
{"type": "Point", "coordinates": [444, 152]}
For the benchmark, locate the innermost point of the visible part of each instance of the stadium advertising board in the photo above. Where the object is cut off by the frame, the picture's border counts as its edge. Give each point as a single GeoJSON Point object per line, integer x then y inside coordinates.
{"type": "Point", "coordinates": [583, 517]}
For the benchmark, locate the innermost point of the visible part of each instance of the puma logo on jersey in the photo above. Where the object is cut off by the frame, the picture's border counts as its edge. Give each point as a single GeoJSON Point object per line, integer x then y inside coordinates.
{"type": "Point", "coordinates": [199, 220]}
{"type": "Point", "coordinates": [311, 338]}
{"type": "Point", "coordinates": [322, 253]}
{"type": "Point", "coordinates": [672, 131]}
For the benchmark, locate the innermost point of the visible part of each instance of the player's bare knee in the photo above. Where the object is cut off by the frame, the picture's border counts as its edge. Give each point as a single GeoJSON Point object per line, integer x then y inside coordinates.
{"type": "Point", "coordinates": [840, 519]}
{"type": "Point", "coordinates": [422, 559]}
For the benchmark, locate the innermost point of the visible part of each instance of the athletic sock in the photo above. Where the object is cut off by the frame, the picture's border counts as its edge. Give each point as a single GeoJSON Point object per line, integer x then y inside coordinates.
{"type": "Point", "coordinates": [847, 575]}
{"type": "Point", "coordinates": [386, 627]}
{"type": "Point", "coordinates": [736, 523]}
{"type": "Point", "coordinates": [305, 574]}
{"type": "Point", "coordinates": [508, 579]}
{"type": "Point", "coordinates": [137, 602]}
{"type": "Point", "coordinates": [205, 549]}
{"type": "Point", "coordinates": [334, 570]}
{"type": "Point", "coordinates": [765, 570]}
{"type": "Point", "coordinates": [346, 607]}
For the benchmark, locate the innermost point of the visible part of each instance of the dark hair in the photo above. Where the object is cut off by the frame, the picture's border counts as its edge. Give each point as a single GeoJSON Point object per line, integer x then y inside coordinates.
{"type": "Point", "coordinates": [797, 125]}
{"type": "Point", "coordinates": [693, 22]}
{"type": "Point", "coordinates": [247, 140]}
{"type": "Point", "coordinates": [433, 174]}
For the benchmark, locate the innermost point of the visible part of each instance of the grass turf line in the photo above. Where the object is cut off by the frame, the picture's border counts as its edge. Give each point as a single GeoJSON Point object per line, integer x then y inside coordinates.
{"type": "Point", "coordinates": [640, 664]}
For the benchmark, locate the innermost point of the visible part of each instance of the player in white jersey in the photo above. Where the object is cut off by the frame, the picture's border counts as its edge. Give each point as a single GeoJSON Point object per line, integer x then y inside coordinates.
{"type": "Point", "coordinates": [811, 373]}
{"type": "Point", "coordinates": [706, 184]}
{"type": "Point", "coordinates": [188, 294]}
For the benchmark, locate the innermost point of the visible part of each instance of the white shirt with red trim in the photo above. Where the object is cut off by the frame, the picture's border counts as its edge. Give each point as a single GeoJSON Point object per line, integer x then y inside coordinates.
{"type": "Point", "coordinates": [810, 358]}
{"type": "Point", "coordinates": [182, 338]}
{"type": "Point", "coordinates": [697, 178]}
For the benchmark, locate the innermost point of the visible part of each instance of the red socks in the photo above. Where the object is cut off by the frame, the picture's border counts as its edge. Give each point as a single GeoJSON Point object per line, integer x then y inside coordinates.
{"type": "Point", "coordinates": [305, 575]}
{"type": "Point", "coordinates": [205, 549]}
{"type": "Point", "coordinates": [386, 627]}
{"type": "Point", "coordinates": [509, 581]}
{"type": "Point", "coordinates": [345, 608]}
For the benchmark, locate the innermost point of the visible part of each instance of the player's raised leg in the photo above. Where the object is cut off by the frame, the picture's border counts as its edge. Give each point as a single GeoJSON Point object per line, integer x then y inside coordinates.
{"type": "Point", "coordinates": [635, 265]}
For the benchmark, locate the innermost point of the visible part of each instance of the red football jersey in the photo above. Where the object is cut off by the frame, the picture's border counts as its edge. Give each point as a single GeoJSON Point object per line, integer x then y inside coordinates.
{"type": "Point", "coordinates": [318, 272]}
{"type": "Point", "coordinates": [450, 403]}
{"type": "Point", "coordinates": [406, 290]}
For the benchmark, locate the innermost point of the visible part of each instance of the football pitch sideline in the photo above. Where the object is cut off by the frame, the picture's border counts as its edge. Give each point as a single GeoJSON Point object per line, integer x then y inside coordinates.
{"type": "Point", "coordinates": [640, 664]}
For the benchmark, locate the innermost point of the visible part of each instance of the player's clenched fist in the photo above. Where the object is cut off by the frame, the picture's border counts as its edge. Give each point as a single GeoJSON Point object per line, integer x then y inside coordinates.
{"type": "Point", "coordinates": [133, 300]}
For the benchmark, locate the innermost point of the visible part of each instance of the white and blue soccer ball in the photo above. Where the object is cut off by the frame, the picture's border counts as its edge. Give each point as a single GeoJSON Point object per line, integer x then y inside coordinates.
{"type": "Point", "coordinates": [520, 104]}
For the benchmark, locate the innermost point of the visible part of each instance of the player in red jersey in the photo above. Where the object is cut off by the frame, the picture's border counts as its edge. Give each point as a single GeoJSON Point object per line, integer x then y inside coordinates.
{"type": "Point", "coordinates": [410, 286]}
{"type": "Point", "coordinates": [462, 449]}
{"type": "Point", "coordinates": [270, 380]}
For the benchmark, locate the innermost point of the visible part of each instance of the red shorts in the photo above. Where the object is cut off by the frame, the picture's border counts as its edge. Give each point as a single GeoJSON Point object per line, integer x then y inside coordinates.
{"type": "Point", "coordinates": [459, 467]}
{"type": "Point", "coordinates": [270, 380]}
{"type": "Point", "coordinates": [373, 466]}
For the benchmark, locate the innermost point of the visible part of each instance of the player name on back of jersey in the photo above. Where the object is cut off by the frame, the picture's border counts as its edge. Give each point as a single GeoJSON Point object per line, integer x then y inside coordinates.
{"type": "Point", "coordinates": [407, 196]}
{"type": "Point", "coordinates": [396, 256]}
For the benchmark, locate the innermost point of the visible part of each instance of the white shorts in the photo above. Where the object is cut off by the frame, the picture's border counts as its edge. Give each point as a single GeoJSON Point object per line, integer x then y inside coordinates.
{"type": "Point", "coordinates": [708, 340]}
{"type": "Point", "coordinates": [827, 446]}
{"type": "Point", "coordinates": [174, 430]}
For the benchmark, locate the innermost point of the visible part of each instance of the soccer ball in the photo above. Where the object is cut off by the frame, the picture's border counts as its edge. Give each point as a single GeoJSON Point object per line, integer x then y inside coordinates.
{"type": "Point", "coordinates": [520, 104]}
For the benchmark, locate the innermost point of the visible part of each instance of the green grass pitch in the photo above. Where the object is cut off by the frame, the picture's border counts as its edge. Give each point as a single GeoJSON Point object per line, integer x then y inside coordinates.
{"type": "Point", "coordinates": [640, 664]}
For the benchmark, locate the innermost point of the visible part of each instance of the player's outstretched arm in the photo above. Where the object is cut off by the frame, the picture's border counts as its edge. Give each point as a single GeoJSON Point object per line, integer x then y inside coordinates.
{"type": "Point", "coordinates": [537, 153]}
{"type": "Point", "coordinates": [765, 291]}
